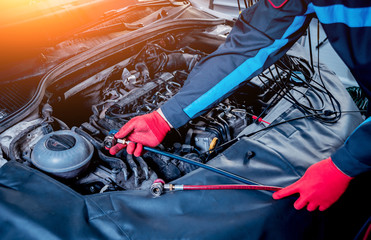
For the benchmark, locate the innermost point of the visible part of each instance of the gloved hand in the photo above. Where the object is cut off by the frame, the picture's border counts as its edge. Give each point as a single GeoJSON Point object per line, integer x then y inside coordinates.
{"type": "Point", "coordinates": [321, 186]}
{"type": "Point", "coordinates": [149, 130]}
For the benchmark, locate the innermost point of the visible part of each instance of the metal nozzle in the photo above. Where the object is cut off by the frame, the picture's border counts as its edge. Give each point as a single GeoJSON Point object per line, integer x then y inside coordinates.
{"type": "Point", "coordinates": [110, 141]}
{"type": "Point", "coordinates": [157, 188]}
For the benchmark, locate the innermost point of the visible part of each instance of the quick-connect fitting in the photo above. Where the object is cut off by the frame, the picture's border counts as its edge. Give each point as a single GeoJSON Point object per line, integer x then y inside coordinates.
{"type": "Point", "coordinates": [157, 188]}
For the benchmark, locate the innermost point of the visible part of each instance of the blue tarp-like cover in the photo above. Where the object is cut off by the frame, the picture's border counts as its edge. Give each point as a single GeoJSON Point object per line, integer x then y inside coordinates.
{"type": "Point", "coordinates": [35, 206]}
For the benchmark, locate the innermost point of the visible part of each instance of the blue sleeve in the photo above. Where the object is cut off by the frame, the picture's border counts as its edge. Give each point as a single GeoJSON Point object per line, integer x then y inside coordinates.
{"type": "Point", "coordinates": [354, 157]}
{"type": "Point", "coordinates": [261, 35]}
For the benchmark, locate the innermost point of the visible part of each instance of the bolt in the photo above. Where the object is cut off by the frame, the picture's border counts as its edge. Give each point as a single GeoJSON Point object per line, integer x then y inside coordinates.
{"type": "Point", "coordinates": [249, 155]}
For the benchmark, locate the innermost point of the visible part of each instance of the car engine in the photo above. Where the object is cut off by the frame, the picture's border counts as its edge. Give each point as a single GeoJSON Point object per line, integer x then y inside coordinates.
{"type": "Point", "coordinates": [67, 140]}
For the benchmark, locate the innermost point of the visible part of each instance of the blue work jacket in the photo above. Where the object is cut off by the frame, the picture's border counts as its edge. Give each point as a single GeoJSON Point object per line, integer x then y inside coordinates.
{"type": "Point", "coordinates": [261, 35]}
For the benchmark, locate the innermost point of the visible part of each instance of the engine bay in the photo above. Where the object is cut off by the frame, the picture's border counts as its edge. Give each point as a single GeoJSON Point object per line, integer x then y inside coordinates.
{"type": "Point", "coordinates": [66, 140]}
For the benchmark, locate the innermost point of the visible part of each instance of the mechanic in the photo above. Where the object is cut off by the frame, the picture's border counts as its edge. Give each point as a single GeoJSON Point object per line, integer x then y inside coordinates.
{"type": "Point", "coordinates": [261, 35]}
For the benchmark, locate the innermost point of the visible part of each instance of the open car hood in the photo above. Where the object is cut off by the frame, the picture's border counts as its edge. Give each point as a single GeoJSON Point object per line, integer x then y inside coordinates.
{"type": "Point", "coordinates": [35, 45]}
{"type": "Point", "coordinates": [34, 32]}
{"type": "Point", "coordinates": [57, 181]}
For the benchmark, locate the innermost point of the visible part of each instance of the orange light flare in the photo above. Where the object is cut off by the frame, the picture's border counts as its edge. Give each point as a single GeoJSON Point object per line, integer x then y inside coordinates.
{"type": "Point", "coordinates": [28, 25]}
{"type": "Point", "coordinates": [28, 21]}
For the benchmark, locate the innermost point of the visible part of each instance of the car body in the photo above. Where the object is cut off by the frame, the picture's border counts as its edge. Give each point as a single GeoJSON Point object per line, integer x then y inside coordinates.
{"type": "Point", "coordinates": [64, 96]}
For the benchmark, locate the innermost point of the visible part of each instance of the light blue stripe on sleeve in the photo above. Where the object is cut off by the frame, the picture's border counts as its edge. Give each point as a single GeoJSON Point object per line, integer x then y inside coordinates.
{"type": "Point", "coordinates": [352, 17]}
{"type": "Point", "coordinates": [242, 72]}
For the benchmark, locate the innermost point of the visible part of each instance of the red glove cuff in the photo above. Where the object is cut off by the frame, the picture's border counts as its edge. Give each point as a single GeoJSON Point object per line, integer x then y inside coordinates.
{"type": "Point", "coordinates": [162, 126]}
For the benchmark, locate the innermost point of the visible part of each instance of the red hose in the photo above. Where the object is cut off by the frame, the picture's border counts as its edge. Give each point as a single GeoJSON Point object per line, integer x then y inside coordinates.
{"type": "Point", "coordinates": [228, 187]}
{"type": "Point", "coordinates": [367, 234]}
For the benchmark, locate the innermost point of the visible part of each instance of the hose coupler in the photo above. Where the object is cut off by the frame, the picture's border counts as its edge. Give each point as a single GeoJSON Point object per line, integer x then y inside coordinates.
{"type": "Point", "coordinates": [157, 188]}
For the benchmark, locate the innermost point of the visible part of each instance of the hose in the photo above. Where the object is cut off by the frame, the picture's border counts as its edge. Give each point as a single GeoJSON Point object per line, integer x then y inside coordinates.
{"type": "Point", "coordinates": [205, 166]}
{"type": "Point", "coordinates": [115, 163]}
{"type": "Point", "coordinates": [217, 127]}
{"type": "Point", "coordinates": [98, 145]}
{"type": "Point", "coordinates": [134, 168]}
{"type": "Point", "coordinates": [143, 165]}
{"type": "Point", "coordinates": [229, 187]}
{"type": "Point", "coordinates": [225, 124]}
{"type": "Point", "coordinates": [158, 187]}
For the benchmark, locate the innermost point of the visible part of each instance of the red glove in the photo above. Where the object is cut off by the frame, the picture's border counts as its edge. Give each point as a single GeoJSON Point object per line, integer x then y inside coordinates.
{"type": "Point", "coordinates": [149, 130]}
{"type": "Point", "coordinates": [321, 186]}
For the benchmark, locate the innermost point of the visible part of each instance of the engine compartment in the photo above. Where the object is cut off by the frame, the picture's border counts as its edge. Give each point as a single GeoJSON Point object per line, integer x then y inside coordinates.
{"type": "Point", "coordinates": [99, 106]}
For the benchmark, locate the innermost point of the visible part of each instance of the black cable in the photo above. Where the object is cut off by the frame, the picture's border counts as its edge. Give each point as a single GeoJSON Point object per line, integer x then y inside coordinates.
{"type": "Point", "coordinates": [322, 89]}
{"type": "Point", "coordinates": [304, 95]}
{"type": "Point", "coordinates": [269, 127]}
{"type": "Point", "coordinates": [311, 108]}
{"type": "Point", "coordinates": [332, 98]}
{"type": "Point", "coordinates": [290, 98]}
{"type": "Point", "coordinates": [278, 93]}
{"type": "Point", "coordinates": [310, 49]}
